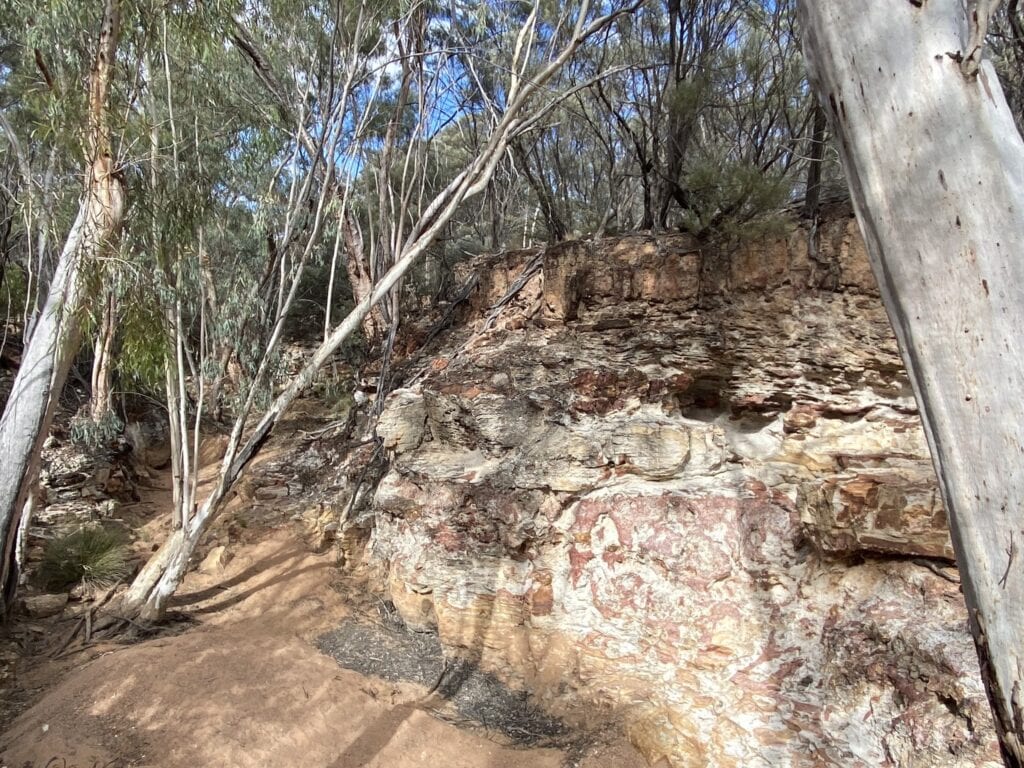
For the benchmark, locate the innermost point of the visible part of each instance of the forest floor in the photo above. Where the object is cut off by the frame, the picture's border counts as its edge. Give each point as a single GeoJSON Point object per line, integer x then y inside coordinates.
{"type": "Point", "coordinates": [238, 678]}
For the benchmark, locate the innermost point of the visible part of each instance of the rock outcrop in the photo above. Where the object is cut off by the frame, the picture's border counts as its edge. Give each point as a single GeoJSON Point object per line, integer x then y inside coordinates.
{"type": "Point", "coordinates": [80, 486]}
{"type": "Point", "coordinates": [687, 490]}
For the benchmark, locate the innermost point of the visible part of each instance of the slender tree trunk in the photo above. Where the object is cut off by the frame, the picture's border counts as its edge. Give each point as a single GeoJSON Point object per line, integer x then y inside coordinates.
{"type": "Point", "coordinates": [936, 170]}
{"type": "Point", "coordinates": [553, 223]}
{"type": "Point", "coordinates": [50, 350]}
{"type": "Point", "coordinates": [222, 373]}
{"type": "Point", "coordinates": [178, 468]}
{"type": "Point", "coordinates": [37, 385]}
{"type": "Point", "coordinates": [214, 394]}
{"type": "Point", "coordinates": [101, 404]}
{"type": "Point", "coordinates": [359, 278]}
{"type": "Point", "coordinates": [812, 198]}
{"type": "Point", "coordinates": [646, 169]}
{"type": "Point", "coordinates": [495, 209]}
{"type": "Point", "coordinates": [387, 207]}
{"type": "Point", "coordinates": [677, 122]}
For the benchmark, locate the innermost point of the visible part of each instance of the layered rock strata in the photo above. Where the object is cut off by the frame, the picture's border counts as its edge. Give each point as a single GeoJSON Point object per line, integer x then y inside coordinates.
{"type": "Point", "coordinates": [688, 490]}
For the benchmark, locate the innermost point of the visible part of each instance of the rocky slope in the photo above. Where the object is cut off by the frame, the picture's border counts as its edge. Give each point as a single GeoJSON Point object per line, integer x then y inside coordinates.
{"type": "Point", "coordinates": [687, 489]}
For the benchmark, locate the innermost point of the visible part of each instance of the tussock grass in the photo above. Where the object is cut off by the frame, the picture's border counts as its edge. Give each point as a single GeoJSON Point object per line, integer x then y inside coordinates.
{"type": "Point", "coordinates": [94, 557]}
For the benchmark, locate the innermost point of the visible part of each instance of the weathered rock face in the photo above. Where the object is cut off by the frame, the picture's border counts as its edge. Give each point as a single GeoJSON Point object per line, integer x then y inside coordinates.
{"type": "Point", "coordinates": [79, 486]}
{"type": "Point", "coordinates": [689, 491]}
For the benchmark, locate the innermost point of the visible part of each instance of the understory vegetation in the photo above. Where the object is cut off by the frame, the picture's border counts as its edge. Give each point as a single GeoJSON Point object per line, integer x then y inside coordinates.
{"type": "Point", "coordinates": [93, 557]}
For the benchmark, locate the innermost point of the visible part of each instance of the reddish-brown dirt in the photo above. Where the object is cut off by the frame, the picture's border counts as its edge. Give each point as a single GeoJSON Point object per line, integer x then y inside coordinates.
{"type": "Point", "coordinates": [245, 686]}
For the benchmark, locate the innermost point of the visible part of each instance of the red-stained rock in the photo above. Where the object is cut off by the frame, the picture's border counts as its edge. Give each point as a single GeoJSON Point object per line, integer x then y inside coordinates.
{"type": "Point", "coordinates": [688, 487]}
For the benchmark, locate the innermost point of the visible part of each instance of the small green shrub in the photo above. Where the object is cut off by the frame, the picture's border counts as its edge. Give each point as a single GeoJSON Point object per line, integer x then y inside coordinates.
{"type": "Point", "coordinates": [95, 435]}
{"type": "Point", "coordinates": [94, 557]}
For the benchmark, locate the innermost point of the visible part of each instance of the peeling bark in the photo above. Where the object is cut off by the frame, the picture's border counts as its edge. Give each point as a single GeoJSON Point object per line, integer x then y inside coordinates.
{"type": "Point", "coordinates": [979, 13]}
{"type": "Point", "coordinates": [101, 406]}
{"type": "Point", "coordinates": [359, 278]}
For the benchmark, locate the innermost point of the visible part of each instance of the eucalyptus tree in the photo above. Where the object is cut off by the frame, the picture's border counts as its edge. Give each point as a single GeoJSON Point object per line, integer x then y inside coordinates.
{"type": "Point", "coordinates": [936, 171]}
{"type": "Point", "coordinates": [52, 344]}
{"type": "Point", "coordinates": [698, 116]}
{"type": "Point", "coordinates": [162, 120]}
{"type": "Point", "coordinates": [42, 66]}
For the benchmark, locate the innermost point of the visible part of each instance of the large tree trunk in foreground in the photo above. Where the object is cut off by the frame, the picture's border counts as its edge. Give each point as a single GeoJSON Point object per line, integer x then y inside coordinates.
{"type": "Point", "coordinates": [936, 169]}
{"type": "Point", "coordinates": [30, 406]}
{"type": "Point", "coordinates": [50, 349]}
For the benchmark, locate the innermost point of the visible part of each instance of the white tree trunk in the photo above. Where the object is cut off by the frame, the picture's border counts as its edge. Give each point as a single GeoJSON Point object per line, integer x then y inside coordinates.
{"type": "Point", "coordinates": [30, 406]}
{"type": "Point", "coordinates": [55, 335]}
{"type": "Point", "coordinates": [936, 170]}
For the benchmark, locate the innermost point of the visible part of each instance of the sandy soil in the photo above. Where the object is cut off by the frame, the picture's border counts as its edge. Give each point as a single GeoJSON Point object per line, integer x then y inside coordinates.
{"type": "Point", "coordinates": [246, 686]}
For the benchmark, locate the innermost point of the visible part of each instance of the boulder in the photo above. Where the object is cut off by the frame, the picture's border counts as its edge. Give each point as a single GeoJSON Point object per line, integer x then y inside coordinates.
{"type": "Point", "coordinates": [43, 606]}
{"type": "Point", "coordinates": [215, 560]}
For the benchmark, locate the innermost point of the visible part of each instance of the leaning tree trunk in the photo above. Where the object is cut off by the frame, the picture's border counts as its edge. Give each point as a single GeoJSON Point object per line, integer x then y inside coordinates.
{"type": "Point", "coordinates": [30, 406]}
{"type": "Point", "coordinates": [50, 349]}
{"type": "Point", "coordinates": [936, 170]}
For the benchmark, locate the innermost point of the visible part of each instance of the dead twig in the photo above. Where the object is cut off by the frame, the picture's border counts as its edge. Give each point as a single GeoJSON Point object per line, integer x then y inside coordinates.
{"type": "Point", "coordinates": [446, 319]}
{"type": "Point", "coordinates": [86, 621]}
{"type": "Point", "coordinates": [437, 683]}
{"type": "Point", "coordinates": [532, 268]}
{"type": "Point", "coordinates": [59, 652]}
{"type": "Point", "coordinates": [936, 570]}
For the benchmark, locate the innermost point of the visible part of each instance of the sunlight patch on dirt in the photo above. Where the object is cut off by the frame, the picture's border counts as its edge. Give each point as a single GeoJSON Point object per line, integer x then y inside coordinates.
{"type": "Point", "coordinates": [247, 687]}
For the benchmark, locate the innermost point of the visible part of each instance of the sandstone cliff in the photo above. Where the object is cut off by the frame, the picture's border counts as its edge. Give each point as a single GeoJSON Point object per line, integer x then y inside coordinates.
{"type": "Point", "coordinates": [686, 489]}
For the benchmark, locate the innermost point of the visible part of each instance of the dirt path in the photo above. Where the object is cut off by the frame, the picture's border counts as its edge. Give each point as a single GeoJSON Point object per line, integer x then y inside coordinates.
{"type": "Point", "coordinates": [247, 687]}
